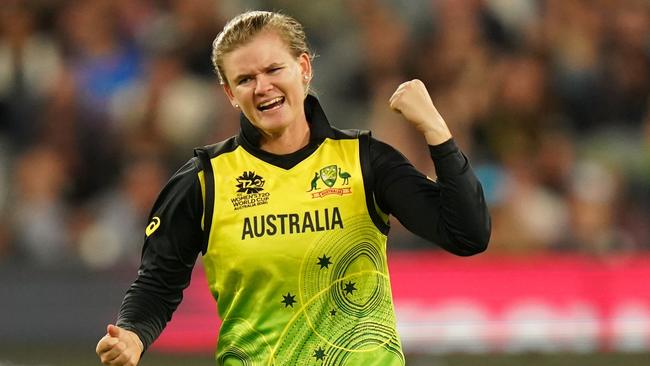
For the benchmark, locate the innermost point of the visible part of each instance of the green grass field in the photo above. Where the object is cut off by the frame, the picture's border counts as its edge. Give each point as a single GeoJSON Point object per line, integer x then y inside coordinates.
{"type": "Point", "coordinates": [76, 356]}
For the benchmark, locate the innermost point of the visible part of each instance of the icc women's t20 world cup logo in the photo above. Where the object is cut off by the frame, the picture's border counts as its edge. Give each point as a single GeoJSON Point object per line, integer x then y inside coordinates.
{"type": "Point", "coordinates": [329, 176]}
{"type": "Point", "coordinates": [250, 191]}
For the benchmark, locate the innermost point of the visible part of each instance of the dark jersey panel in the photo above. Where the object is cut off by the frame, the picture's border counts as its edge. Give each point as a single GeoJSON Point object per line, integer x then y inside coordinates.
{"type": "Point", "coordinates": [174, 239]}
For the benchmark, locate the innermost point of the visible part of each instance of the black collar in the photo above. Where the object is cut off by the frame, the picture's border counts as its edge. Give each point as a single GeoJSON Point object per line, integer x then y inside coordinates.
{"type": "Point", "coordinates": [319, 129]}
{"type": "Point", "coordinates": [318, 125]}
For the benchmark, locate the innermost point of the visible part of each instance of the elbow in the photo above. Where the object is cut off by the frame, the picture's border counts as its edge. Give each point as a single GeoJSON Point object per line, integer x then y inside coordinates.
{"type": "Point", "coordinates": [478, 242]}
{"type": "Point", "coordinates": [476, 246]}
{"type": "Point", "coordinates": [473, 242]}
{"type": "Point", "coordinates": [470, 249]}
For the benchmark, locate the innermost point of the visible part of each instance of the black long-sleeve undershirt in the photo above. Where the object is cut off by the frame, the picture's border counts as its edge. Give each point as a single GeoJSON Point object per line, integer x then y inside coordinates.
{"type": "Point", "coordinates": [450, 212]}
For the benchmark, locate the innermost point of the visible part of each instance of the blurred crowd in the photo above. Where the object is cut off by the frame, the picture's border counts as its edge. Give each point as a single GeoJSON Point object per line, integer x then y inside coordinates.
{"type": "Point", "coordinates": [102, 100]}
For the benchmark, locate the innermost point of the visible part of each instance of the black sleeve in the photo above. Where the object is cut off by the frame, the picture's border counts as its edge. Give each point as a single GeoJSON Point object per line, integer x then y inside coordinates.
{"type": "Point", "coordinates": [168, 256]}
{"type": "Point", "coordinates": [450, 212]}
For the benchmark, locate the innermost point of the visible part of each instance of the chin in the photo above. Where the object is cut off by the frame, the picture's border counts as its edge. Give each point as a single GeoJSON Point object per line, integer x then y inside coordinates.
{"type": "Point", "coordinates": [273, 123]}
{"type": "Point", "coordinates": [269, 126]}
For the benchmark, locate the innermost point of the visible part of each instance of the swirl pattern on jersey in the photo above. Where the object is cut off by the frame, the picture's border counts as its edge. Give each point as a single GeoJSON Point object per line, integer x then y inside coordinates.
{"type": "Point", "coordinates": [240, 349]}
{"type": "Point", "coordinates": [346, 314]}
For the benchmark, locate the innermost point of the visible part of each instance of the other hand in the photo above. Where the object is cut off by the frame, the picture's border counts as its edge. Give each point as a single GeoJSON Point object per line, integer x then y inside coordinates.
{"type": "Point", "coordinates": [119, 347]}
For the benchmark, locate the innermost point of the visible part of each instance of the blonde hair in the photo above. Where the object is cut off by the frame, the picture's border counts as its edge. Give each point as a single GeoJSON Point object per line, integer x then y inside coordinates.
{"type": "Point", "coordinates": [242, 28]}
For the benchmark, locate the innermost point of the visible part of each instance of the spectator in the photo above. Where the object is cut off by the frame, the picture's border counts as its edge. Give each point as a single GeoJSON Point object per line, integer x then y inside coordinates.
{"type": "Point", "coordinates": [544, 94]}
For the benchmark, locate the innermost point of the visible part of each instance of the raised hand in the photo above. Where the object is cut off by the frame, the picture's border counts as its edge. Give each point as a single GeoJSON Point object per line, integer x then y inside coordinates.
{"type": "Point", "coordinates": [412, 100]}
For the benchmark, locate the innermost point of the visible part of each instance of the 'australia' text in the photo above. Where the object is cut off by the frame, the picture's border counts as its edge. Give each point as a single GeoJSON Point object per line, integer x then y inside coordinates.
{"type": "Point", "coordinates": [292, 223]}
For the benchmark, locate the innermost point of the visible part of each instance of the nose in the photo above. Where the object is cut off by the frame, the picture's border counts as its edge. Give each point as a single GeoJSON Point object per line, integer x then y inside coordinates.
{"type": "Point", "coordinates": [262, 84]}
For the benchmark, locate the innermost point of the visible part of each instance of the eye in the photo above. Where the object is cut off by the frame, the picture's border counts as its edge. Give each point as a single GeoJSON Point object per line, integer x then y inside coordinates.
{"type": "Point", "coordinates": [243, 80]}
{"type": "Point", "coordinates": [274, 70]}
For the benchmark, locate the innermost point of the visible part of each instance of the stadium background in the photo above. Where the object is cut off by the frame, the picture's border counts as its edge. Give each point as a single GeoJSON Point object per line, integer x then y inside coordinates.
{"type": "Point", "coordinates": [101, 100]}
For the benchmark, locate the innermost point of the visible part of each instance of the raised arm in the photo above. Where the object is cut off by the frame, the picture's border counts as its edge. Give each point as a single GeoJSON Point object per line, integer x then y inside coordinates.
{"type": "Point", "coordinates": [451, 211]}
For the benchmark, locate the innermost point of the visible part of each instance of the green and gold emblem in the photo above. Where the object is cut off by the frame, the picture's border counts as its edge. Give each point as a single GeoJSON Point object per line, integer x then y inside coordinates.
{"type": "Point", "coordinates": [328, 175]}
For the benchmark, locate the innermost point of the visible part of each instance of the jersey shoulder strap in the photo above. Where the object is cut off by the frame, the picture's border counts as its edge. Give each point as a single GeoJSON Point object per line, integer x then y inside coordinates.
{"type": "Point", "coordinates": [208, 208]}
{"type": "Point", "coordinates": [204, 155]}
{"type": "Point", "coordinates": [364, 136]}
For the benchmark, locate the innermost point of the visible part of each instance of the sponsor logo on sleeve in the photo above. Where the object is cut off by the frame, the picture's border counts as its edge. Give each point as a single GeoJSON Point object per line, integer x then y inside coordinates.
{"type": "Point", "coordinates": [153, 226]}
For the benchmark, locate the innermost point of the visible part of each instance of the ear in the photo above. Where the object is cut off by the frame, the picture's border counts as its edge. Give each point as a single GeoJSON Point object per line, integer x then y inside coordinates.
{"type": "Point", "coordinates": [229, 94]}
{"type": "Point", "coordinates": [304, 61]}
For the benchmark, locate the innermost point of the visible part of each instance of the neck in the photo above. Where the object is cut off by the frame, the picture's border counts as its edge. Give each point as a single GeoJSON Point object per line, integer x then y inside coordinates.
{"type": "Point", "coordinates": [287, 141]}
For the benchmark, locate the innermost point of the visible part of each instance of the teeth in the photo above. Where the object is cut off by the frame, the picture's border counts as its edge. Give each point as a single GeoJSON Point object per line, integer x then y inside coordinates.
{"type": "Point", "coordinates": [268, 103]}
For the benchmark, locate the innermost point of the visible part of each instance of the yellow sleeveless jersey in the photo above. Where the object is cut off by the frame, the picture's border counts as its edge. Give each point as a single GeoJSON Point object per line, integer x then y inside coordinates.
{"type": "Point", "coordinates": [296, 263]}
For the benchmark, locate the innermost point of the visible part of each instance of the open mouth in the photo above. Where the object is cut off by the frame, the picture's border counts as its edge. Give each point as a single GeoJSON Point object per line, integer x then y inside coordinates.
{"type": "Point", "coordinates": [271, 104]}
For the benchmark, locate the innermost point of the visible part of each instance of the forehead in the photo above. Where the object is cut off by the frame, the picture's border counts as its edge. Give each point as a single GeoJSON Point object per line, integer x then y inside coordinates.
{"type": "Point", "coordinates": [262, 50]}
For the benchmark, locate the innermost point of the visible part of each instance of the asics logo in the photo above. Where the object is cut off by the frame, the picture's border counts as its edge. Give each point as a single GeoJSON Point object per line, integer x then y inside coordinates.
{"type": "Point", "coordinates": [153, 225]}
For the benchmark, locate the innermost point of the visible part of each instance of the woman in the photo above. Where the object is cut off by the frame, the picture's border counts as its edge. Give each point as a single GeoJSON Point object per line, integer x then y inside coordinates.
{"type": "Point", "coordinates": [294, 232]}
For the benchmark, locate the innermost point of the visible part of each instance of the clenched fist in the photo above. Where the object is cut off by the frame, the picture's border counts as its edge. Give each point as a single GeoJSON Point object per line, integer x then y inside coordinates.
{"type": "Point", "coordinates": [412, 100]}
{"type": "Point", "coordinates": [119, 347]}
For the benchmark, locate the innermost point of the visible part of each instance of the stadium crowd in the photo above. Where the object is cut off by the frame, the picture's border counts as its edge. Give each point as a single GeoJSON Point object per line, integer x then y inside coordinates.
{"type": "Point", "coordinates": [102, 100]}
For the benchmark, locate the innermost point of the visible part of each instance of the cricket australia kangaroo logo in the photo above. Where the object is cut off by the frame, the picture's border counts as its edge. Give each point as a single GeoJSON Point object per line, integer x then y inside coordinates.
{"type": "Point", "coordinates": [329, 176]}
{"type": "Point", "coordinates": [249, 191]}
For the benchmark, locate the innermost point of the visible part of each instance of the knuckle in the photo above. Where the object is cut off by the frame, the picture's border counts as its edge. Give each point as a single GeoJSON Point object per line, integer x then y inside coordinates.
{"type": "Point", "coordinates": [117, 361]}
